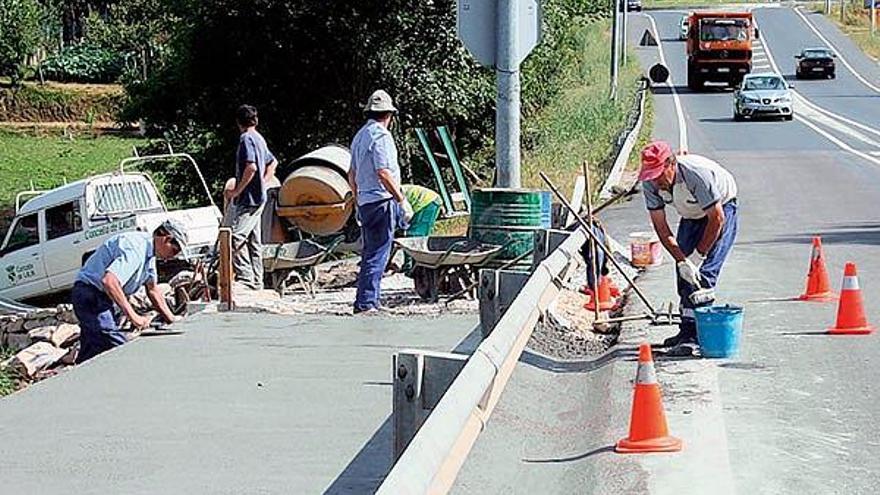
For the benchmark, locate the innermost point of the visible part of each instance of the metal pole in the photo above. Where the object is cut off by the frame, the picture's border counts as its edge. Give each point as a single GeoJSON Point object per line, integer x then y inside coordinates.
{"type": "Point", "coordinates": [623, 16]}
{"type": "Point", "coordinates": [614, 38]}
{"type": "Point", "coordinates": [507, 121]}
{"type": "Point", "coordinates": [873, 18]}
{"type": "Point", "coordinates": [602, 246]}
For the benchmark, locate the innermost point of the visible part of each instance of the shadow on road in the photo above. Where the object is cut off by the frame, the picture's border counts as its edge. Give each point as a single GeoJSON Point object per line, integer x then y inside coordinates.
{"type": "Point", "coordinates": [865, 233]}
{"type": "Point", "coordinates": [628, 353]}
{"type": "Point", "coordinates": [601, 450]}
{"type": "Point", "coordinates": [369, 467]}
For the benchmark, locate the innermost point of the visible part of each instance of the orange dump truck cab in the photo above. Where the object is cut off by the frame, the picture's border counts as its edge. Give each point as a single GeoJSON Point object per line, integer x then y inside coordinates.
{"type": "Point", "coordinates": [719, 47]}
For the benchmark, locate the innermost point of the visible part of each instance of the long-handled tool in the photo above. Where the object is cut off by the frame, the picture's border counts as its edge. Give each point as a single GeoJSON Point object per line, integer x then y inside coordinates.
{"type": "Point", "coordinates": [652, 315]}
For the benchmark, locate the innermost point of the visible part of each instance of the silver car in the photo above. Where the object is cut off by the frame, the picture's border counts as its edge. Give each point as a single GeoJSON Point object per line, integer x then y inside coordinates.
{"type": "Point", "coordinates": [763, 95]}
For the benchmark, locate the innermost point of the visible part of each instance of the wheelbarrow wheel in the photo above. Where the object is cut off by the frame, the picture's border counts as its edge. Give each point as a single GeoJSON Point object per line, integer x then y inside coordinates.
{"type": "Point", "coordinates": [426, 281]}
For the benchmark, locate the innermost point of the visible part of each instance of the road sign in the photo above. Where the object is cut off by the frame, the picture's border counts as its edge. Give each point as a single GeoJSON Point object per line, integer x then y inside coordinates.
{"type": "Point", "coordinates": [478, 27]}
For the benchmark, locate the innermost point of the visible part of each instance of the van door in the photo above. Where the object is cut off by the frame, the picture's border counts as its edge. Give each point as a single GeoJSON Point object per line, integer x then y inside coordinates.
{"type": "Point", "coordinates": [64, 248]}
{"type": "Point", "coordinates": [21, 259]}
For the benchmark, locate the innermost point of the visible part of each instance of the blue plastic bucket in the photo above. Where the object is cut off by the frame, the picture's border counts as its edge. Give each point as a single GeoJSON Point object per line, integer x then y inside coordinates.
{"type": "Point", "coordinates": [719, 330]}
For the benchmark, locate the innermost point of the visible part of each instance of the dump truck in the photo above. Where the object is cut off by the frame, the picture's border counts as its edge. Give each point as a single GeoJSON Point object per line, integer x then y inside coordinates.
{"type": "Point", "coordinates": [719, 47]}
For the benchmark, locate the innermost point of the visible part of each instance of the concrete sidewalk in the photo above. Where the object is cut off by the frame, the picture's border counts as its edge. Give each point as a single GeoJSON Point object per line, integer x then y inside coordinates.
{"type": "Point", "coordinates": [239, 403]}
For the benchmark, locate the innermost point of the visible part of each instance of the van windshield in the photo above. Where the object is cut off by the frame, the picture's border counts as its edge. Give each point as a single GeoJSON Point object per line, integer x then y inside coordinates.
{"type": "Point", "coordinates": [724, 30]}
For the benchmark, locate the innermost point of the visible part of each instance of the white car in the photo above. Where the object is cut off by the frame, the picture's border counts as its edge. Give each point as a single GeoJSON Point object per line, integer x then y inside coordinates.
{"type": "Point", "coordinates": [763, 95]}
{"type": "Point", "coordinates": [54, 233]}
{"type": "Point", "coordinates": [683, 27]}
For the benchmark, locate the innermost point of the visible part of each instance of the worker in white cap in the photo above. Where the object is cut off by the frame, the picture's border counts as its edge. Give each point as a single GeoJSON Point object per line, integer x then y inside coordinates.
{"type": "Point", "coordinates": [374, 178]}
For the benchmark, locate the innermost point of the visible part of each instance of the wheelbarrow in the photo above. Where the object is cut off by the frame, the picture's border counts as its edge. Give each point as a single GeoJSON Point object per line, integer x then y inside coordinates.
{"type": "Point", "coordinates": [441, 260]}
{"type": "Point", "coordinates": [298, 259]}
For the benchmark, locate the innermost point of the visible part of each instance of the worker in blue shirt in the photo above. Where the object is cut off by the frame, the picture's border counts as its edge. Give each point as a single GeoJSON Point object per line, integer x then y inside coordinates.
{"type": "Point", "coordinates": [119, 268]}
{"type": "Point", "coordinates": [374, 177]}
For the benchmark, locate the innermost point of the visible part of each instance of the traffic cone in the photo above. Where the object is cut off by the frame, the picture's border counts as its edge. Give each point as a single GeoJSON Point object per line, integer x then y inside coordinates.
{"type": "Point", "coordinates": [851, 312]}
{"type": "Point", "coordinates": [647, 427]}
{"type": "Point", "coordinates": [606, 301]}
{"type": "Point", "coordinates": [615, 292]}
{"type": "Point", "coordinates": [818, 287]}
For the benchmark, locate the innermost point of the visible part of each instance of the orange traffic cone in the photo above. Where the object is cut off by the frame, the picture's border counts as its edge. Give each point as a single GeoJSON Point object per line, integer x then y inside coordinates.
{"type": "Point", "coordinates": [818, 287]}
{"type": "Point", "coordinates": [606, 301]}
{"type": "Point", "coordinates": [615, 292]}
{"type": "Point", "coordinates": [647, 426]}
{"type": "Point", "coordinates": [851, 312]}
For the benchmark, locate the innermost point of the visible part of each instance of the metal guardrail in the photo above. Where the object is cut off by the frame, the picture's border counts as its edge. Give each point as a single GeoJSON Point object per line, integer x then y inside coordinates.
{"type": "Point", "coordinates": [436, 453]}
{"type": "Point", "coordinates": [626, 141]}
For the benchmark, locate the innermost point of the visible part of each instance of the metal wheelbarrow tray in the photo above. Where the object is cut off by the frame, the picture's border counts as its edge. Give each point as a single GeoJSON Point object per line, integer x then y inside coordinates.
{"type": "Point", "coordinates": [299, 259]}
{"type": "Point", "coordinates": [444, 258]}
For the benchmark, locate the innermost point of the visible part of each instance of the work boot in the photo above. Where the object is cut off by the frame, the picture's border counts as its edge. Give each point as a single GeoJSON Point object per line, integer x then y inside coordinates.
{"type": "Point", "coordinates": [682, 337]}
{"type": "Point", "coordinates": [684, 349]}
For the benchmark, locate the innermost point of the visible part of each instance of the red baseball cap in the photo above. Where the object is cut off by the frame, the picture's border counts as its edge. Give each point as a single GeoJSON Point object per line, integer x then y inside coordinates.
{"type": "Point", "coordinates": [654, 158]}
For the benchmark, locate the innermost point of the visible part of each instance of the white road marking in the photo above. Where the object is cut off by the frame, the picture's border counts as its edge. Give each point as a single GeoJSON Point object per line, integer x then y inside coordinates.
{"type": "Point", "coordinates": [820, 131]}
{"type": "Point", "coordinates": [841, 118]}
{"type": "Point", "coordinates": [839, 54]}
{"type": "Point", "coordinates": [875, 153]}
{"type": "Point", "coordinates": [682, 125]}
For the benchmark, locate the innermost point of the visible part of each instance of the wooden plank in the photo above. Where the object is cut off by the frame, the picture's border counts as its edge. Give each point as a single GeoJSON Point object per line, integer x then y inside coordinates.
{"type": "Point", "coordinates": [224, 275]}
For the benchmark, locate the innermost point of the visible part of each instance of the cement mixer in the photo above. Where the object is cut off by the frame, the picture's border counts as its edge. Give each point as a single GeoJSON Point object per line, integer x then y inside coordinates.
{"type": "Point", "coordinates": [314, 198]}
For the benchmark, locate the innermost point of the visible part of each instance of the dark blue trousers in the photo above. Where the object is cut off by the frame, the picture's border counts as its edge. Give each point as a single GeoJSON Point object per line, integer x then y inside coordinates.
{"type": "Point", "coordinates": [377, 232]}
{"type": "Point", "coordinates": [97, 321]}
{"type": "Point", "coordinates": [689, 234]}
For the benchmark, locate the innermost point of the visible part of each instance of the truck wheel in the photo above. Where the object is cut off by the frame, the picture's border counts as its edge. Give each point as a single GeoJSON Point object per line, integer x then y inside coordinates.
{"type": "Point", "coordinates": [695, 83]}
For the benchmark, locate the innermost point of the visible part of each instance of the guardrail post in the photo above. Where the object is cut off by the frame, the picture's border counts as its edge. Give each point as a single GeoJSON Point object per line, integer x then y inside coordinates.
{"type": "Point", "coordinates": [546, 241]}
{"type": "Point", "coordinates": [497, 290]}
{"type": "Point", "coordinates": [420, 380]}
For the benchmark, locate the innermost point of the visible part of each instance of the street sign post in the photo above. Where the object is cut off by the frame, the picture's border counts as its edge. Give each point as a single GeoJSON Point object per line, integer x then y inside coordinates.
{"type": "Point", "coordinates": [501, 34]}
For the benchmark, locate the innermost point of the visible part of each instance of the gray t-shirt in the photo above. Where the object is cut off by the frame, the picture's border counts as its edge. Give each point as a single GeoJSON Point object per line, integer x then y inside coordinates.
{"type": "Point", "coordinates": [252, 148]}
{"type": "Point", "coordinates": [699, 184]}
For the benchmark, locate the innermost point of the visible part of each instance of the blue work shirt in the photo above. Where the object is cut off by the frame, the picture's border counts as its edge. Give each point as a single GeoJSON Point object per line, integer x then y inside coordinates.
{"type": "Point", "coordinates": [373, 149]}
{"type": "Point", "coordinates": [129, 256]}
{"type": "Point", "coordinates": [252, 148]}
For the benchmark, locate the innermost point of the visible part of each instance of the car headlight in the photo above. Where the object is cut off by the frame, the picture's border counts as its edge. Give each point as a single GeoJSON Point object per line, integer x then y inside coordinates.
{"type": "Point", "coordinates": [751, 100]}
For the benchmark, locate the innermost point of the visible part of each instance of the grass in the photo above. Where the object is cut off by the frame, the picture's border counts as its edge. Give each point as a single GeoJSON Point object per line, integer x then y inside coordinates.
{"type": "Point", "coordinates": [857, 25]}
{"type": "Point", "coordinates": [7, 378]}
{"type": "Point", "coordinates": [583, 122]}
{"type": "Point", "coordinates": [51, 159]}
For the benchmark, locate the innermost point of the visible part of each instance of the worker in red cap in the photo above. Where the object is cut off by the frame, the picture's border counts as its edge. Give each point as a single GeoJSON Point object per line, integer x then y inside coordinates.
{"type": "Point", "coordinates": [704, 195]}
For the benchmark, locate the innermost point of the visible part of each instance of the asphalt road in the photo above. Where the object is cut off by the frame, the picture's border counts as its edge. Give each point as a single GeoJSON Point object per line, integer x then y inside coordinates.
{"type": "Point", "coordinates": [797, 408]}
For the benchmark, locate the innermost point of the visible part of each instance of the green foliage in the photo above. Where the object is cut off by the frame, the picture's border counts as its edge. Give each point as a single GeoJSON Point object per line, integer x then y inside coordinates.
{"type": "Point", "coordinates": [84, 63]}
{"type": "Point", "coordinates": [308, 66]}
{"type": "Point", "coordinates": [19, 36]}
{"type": "Point", "coordinates": [7, 376]}
{"type": "Point", "coordinates": [49, 161]}
{"type": "Point", "coordinates": [53, 103]}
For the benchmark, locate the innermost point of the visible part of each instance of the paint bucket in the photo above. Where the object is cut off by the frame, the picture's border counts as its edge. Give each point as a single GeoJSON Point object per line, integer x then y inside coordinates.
{"type": "Point", "coordinates": [719, 330]}
{"type": "Point", "coordinates": [645, 249]}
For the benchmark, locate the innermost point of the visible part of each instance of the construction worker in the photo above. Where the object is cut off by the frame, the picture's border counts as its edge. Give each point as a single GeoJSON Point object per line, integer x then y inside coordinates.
{"type": "Point", "coordinates": [704, 195]}
{"type": "Point", "coordinates": [426, 205]}
{"type": "Point", "coordinates": [120, 267]}
{"type": "Point", "coordinates": [374, 177]}
{"type": "Point", "coordinates": [255, 166]}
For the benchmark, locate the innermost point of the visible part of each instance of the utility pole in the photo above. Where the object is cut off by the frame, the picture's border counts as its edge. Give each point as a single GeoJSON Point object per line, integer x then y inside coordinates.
{"type": "Point", "coordinates": [827, 7]}
{"type": "Point", "coordinates": [842, 10]}
{"type": "Point", "coordinates": [507, 117]}
{"type": "Point", "coordinates": [625, 7]}
{"type": "Point", "coordinates": [873, 17]}
{"type": "Point", "coordinates": [615, 36]}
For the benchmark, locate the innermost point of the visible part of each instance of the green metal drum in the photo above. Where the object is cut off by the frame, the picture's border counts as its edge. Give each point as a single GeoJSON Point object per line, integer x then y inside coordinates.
{"type": "Point", "coordinates": [509, 218]}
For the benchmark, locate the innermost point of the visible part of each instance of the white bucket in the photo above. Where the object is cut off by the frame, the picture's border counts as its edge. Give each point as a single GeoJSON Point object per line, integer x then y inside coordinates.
{"type": "Point", "coordinates": [645, 249]}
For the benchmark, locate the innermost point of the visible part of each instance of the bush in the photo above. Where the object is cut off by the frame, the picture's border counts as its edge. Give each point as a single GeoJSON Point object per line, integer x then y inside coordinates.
{"type": "Point", "coordinates": [309, 65]}
{"type": "Point", "coordinates": [19, 36]}
{"type": "Point", "coordinates": [85, 63]}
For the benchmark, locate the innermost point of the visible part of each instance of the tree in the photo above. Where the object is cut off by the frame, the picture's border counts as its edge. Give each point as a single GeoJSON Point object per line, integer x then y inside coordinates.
{"type": "Point", "coordinates": [20, 34]}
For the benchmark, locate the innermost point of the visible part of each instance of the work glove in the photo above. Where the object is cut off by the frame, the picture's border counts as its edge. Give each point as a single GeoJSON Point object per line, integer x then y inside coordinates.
{"type": "Point", "coordinates": [689, 272]}
{"type": "Point", "coordinates": [697, 259]}
{"type": "Point", "coordinates": [407, 210]}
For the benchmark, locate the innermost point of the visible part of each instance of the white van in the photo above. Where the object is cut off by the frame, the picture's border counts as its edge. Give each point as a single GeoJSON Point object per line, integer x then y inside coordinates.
{"type": "Point", "coordinates": [54, 233]}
